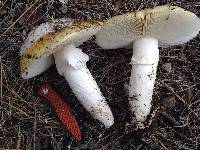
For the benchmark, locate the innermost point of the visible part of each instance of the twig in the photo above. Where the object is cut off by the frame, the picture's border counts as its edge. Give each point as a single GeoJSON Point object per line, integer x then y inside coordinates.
{"type": "Point", "coordinates": [18, 96]}
{"type": "Point", "coordinates": [112, 133]}
{"type": "Point", "coordinates": [3, 4]}
{"type": "Point", "coordinates": [156, 140]}
{"type": "Point", "coordinates": [18, 19]}
{"type": "Point", "coordinates": [18, 140]}
{"type": "Point", "coordinates": [34, 11]}
{"type": "Point", "coordinates": [106, 146]}
{"type": "Point", "coordinates": [17, 109]}
{"type": "Point", "coordinates": [180, 98]}
{"type": "Point", "coordinates": [34, 128]}
{"type": "Point", "coordinates": [1, 79]}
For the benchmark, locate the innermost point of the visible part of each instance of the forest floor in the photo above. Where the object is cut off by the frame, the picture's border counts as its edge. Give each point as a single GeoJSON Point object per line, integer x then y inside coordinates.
{"type": "Point", "coordinates": [28, 122]}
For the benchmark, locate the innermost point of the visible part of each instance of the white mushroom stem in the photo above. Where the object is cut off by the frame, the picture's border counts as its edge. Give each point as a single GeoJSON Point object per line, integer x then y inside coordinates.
{"type": "Point", "coordinates": [71, 63]}
{"type": "Point", "coordinates": [144, 65]}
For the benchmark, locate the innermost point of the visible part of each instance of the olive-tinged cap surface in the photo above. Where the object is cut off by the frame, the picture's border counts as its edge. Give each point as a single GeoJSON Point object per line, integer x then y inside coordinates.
{"type": "Point", "coordinates": [42, 63]}
{"type": "Point", "coordinates": [171, 25]}
{"type": "Point", "coordinates": [37, 52]}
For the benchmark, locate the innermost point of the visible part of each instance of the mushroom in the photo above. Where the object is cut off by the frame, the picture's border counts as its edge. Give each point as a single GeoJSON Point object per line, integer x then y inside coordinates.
{"type": "Point", "coordinates": [60, 39]}
{"type": "Point", "coordinates": [144, 30]}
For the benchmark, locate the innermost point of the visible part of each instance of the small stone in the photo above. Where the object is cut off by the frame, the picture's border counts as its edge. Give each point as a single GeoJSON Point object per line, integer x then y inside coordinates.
{"type": "Point", "coordinates": [169, 102]}
{"type": "Point", "coordinates": [64, 1]}
{"type": "Point", "coordinates": [63, 9]}
{"type": "Point", "coordinates": [46, 121]}
{"type": "Point", "coordinates": [24, 33]}
{"type": "Point", "coordinates": [167, 67]}
{"type": "Point", "coordinates": [2, 12]}
{"type": "Point", "coordinates": [126, 87]}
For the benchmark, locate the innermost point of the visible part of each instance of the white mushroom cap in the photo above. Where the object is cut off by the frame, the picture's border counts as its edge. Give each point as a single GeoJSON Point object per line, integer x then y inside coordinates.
{"type": "Point", "coordinates": [171, 25]}
{"type": "Point", "coordinates": [36, 54]}
{"type": "Point", "coordinates": [42, 63]}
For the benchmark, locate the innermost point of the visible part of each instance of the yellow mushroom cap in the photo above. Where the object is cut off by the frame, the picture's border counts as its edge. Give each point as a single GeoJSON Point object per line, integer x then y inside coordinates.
{"type": "Point", "coordinates": [171, 25]}
{"type": "Point", "coordinates": [38, 53]}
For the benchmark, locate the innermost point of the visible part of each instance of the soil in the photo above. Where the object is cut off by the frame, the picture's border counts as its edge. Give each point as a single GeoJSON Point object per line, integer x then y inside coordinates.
{"type": "Point", "coordinates": [27, 120]}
